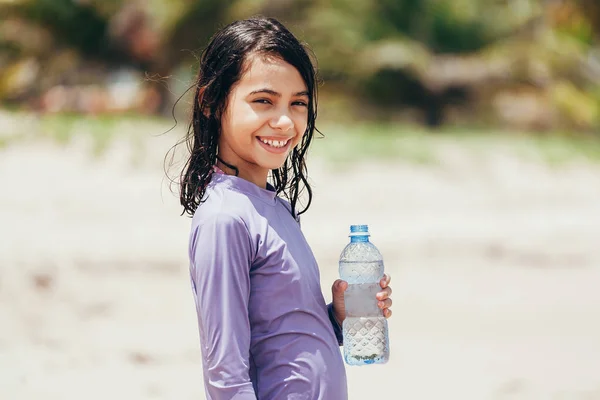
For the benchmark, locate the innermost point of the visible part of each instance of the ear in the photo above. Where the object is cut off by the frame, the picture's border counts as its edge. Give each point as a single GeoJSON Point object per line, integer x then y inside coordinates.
{"type": "Point", "coordinates": [206, 111]}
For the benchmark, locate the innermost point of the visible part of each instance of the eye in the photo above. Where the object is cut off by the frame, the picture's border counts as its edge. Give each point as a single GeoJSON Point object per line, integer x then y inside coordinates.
{"type": "Point", "coordinates": [300, 103]}
{"type": "Point", "coordinates": [262, 101]}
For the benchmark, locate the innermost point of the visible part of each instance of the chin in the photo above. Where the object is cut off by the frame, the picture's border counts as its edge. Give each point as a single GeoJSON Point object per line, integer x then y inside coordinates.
{"type": "Point", "coordinates": [274, 163]}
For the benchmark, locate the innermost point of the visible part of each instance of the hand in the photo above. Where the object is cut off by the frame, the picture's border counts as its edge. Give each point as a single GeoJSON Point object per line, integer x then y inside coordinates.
{"type": "Point", "coordinates": [384, 300]}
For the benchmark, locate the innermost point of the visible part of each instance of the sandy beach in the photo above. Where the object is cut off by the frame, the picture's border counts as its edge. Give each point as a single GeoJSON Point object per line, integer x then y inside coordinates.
{"type": "Point", "coordinates": [495, 266]}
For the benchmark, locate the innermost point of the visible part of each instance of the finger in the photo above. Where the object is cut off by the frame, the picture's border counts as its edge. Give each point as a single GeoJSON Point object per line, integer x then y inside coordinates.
{"type": "Point", "coordinates": [336, 285]}
{"type": "Point", "coordinates": [385, 281]}
{"type": "Point", "coordinates": [384, 294]}
{"type": "Point", "coordinates": [387, 313]}
{"type": "Point", "coordinates": [387, 303]}
{"type": "Point", "coordinates": [339, 286]}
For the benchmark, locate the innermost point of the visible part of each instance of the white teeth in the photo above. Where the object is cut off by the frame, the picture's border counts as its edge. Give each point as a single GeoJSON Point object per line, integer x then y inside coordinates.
{"type": "Point", "coordinates": [274, 143]}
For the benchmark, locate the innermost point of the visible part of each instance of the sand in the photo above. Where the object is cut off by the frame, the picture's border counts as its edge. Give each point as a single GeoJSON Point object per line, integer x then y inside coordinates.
{"type": "Point", "coordinates": [495, 266]}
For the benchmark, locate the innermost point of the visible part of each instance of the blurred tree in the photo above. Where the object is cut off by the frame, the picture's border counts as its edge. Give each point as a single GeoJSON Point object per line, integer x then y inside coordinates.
{"type": "Point", "coordinates": [195, 23]}
{"type": "Point", "coordinates": [71, 23]}
{"type": "Point", "coordinates": [91, 42]}
{"type": "Point", "coordinates": [392, 44]}
{"type": "Point", "coordinates": [110, 31]}
{"type": "Point", "coordinates": [591, 9]}
{"type": "Point", "coordinates": [436, 24]}
{"type": "Point", "coordinates": [427, 55]}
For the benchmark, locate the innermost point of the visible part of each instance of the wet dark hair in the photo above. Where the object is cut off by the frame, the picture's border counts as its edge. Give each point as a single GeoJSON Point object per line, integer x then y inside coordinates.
{"type": "Point", "coordinates": [222, 64]}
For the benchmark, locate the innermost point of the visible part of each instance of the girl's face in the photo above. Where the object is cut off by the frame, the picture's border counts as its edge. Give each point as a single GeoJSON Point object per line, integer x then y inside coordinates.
{"type": "Point", "coordinates": [264, 119]}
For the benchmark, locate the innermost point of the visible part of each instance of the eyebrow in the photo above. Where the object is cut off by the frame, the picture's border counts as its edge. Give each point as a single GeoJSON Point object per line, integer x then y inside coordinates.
{"type": "Point", "coordinates": [277, 94]}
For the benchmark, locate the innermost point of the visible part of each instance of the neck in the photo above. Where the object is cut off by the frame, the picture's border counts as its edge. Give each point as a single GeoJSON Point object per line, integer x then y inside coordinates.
{"type": "Point", "coordinates": [256, 176]}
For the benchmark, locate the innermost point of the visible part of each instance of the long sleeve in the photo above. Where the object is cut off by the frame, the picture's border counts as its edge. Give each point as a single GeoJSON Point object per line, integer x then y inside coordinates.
{"type": "Point", "coordinates": [222, 256]}
{"type": "Point", "coordinates": [337, 329]}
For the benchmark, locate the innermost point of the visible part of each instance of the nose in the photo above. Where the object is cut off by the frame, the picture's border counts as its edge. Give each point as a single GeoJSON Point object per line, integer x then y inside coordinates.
{"type": "Point", "coordinates": [282, 122]}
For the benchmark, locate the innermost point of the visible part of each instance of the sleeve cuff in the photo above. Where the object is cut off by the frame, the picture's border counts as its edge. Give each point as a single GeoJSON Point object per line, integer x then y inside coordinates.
{"type": "Point", "coordinates": [337, 329]}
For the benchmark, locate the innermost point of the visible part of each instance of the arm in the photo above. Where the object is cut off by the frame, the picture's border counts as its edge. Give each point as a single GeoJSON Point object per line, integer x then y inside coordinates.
{"type": "Point", "coordinates": [221, 264]}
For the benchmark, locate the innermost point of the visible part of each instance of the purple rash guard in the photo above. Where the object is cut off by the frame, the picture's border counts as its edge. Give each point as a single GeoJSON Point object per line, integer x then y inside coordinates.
{"type": "Point", "coordinates": [265, 330]}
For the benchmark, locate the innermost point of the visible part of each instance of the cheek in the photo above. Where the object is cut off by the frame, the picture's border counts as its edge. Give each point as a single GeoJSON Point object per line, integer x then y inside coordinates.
{"type": "Point", "coordinates": [249, 121]}
{"type": "Point", "coordinates": [301, 122]}
{"type": "Point", "coordinates": [240, 124]}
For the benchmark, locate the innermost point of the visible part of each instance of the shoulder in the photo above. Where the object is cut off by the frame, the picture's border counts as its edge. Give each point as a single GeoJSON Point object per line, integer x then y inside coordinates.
{"type": "Point", "coordinates": [221, 217]}
{"type": "Point", "coordinates": [226, 206]}
{"type": "Point", "coordinates": [224, 215]}
{"type": "Point", "coordinates": [219, 230]}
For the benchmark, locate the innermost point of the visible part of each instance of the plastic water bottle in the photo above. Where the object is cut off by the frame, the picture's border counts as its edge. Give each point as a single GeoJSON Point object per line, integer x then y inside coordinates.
{"type": "Point", "coordinates": [365, 329]}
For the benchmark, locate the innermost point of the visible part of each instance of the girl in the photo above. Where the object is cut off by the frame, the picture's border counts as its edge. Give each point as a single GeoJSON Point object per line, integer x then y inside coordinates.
{"type": "Point", "coordinates": [265, 330]}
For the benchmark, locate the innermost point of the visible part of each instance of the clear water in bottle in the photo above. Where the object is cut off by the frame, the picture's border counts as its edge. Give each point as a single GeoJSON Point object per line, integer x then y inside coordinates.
{"type": "Point", "coordinates": [365, 328]}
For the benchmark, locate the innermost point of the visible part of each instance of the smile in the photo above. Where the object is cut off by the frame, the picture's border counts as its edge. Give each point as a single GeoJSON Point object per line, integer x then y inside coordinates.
{"type": "Point", "coordinates": [274, 143]}
{"type": "Point", "coordinates": [275, 146]}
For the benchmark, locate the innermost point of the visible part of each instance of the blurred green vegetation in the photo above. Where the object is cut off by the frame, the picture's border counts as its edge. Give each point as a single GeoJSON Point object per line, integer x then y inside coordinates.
{"type": "Point", "coordinates": [341, 143]}
{"type": "Point", "coordinates": [513, 64]}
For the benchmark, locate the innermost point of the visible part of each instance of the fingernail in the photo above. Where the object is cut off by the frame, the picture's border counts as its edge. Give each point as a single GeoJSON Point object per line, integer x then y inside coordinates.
{"type": "Point", "coordinates": [380, 304]}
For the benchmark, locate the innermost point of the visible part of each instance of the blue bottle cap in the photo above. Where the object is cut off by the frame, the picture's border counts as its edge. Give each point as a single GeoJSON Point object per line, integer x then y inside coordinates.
{"type": "Point", "coordinates": [359, 230]}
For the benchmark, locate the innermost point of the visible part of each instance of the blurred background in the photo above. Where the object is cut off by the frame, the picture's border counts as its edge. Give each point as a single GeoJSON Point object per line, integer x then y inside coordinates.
{"type": "Point", "coordinates": [466, 133]}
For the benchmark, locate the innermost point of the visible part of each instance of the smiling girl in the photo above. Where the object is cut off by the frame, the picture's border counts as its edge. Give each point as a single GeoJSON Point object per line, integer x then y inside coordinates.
{"type": "Point", "coordinates": [265, 330]}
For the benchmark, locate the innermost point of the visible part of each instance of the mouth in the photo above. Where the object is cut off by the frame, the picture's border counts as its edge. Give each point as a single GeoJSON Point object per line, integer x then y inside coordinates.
{"type": "Point", "coordinates": [274, 145]}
